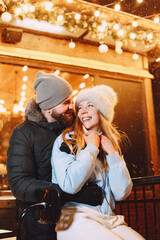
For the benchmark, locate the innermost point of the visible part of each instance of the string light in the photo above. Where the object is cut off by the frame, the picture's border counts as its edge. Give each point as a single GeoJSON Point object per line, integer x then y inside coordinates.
{"type": "Point", "coordinates": [86, 76]}
{"type": "Point", "coordinates": [6, 17]}
{"type": "Point", "coordinates": [72, 44]}
{"type": "Point", "coordinates": [117, 7]}
{"type": "Point", "coordinates": [48, 6]}
{"type": "Point", "coordinates": [134, 23]}
{"type": "Point", "coordinates": [96, 13]}
{"type": "Point", "coordinates": [25, 68]}
{"type": "Point", "coordinates": [77, 16]}
{"type": "Point", "coordinates": [103, 48]}
{"type": "Point", "coordinates": [82, 85]}
{"type": "Point", "coordinates": [25, 78]}
{"type": "Point", "coordinates": [57, 72]}
{"type": "Point", "coordinates": [24, 87]}
{"type": "Point", "coordinates": [75, 92]}
{"type": "Point", "coordinates": [135, 56]}
{"type": "Point", "coordinates": [139, 1]}
{"type": "Point", "coordinates": [156, 20]}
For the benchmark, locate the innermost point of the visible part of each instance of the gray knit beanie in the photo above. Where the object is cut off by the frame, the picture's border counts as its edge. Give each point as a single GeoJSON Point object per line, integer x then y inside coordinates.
{"type": "Point", "coordinates": [51, 90]}
{"type": "Point", "coordinates": [103, 97]}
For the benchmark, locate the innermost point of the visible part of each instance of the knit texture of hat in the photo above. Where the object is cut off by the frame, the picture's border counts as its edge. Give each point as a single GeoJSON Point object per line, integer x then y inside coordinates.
{"type": "Point", "coordinates": [103, 98]}
{"type": "Point", "coordinates": [51, 90]}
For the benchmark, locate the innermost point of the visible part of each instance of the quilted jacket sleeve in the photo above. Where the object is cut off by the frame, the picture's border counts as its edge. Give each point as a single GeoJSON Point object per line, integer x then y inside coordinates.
{"type": "Point", "coordinates": [21, 167]}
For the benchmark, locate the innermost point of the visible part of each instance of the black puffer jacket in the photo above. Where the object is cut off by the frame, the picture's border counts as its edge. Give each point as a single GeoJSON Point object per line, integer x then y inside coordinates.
{"type": "Point", "coordinates": [28, 161]}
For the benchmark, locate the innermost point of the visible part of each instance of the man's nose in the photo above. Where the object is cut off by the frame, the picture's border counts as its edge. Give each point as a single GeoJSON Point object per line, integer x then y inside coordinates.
{"type": "Point", "coordinates": [71, 105]}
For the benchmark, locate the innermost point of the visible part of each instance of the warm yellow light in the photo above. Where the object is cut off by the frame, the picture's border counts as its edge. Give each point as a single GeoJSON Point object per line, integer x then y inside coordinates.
{"type": "Point", "coordinates": [48, 6]}
{"type": "Point", "coordinates": [23, 93]}
{"type": "Point", "coordinates": [86, 76]}
{"type": "Point", "coordinates": [25, 68]}
{"type": "Point", "coordinates": [69, 1]}
{"type": "Point", "coordinates": [82, 85]}
{"type": "Point", "coordinates": [72, 45]}
{"type": "Point", "coordinates": [117, 7]}
{"type": "Point", "coordinates": [60, 18]}
{"type": "Point", "coordinates": [25, 78]}
{"type": "Point", "coordinates": [77, 16]}
{"type": "Point", "coordinates": [120, 32]}
{"type": "Point", "coordinates": [150, 36]}
{"type": "Point", "coordinates": [18, 11]}
{"type": "Point", "coordinates": [104, 23]}
{"type": "Point", "coordinates": [135, 56]}
{"type": "Point", "coordinates": [24, 87]}
{"type": "Point", "coordinates": [25, 8]}
{"type": "Point", "coordinates": [96, 13]}
{"type": "Point", "coordinates": [57, 72]}
{"type": "Point", "coordinates": [132, 35]}
{"type": "Point", "coordinates": [6, 17]}
{"type": "Point", "coordinates": [158, 59]}
{"type": "Point", "coordinates": [2, 101]}
{"type": "Point", "coordinates": [101, 28]}
{"type": "Point", "coordinates": [23, 99]}
{"type": "Point", "coordinates": [75, 92]}
{"type": "Point", "coordinates": [15, 108]}
{"type": "Point", "coordinates": [103, 48]}
{"type": "Point", "coordinates": [116, 27]}
{"type": "Point", "coordinates": [156, 20]}
{"type": "Point", "coordinates": [139, 1]}
{"type": "Point", "coordinates": [134, 23]}
{"type": "Point", "coordinates": [32, 8]}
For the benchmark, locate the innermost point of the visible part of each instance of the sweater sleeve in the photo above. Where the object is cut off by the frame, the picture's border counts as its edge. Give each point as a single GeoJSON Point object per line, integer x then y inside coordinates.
{"type": "Point", "coordinates": [71, 173]}
{"type": "Point", "coordinates": [119, 178]}
{"type": "Point", "coordinates": [21, 168]}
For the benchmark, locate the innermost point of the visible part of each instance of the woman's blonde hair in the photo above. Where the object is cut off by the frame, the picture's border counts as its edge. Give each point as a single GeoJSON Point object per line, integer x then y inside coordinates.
{"type": "Point", "coordinates": [76, 143]}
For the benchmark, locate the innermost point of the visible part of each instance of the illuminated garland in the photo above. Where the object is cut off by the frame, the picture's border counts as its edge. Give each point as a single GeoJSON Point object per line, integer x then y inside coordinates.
{"type": "Point", "coordinates": [69, 18]}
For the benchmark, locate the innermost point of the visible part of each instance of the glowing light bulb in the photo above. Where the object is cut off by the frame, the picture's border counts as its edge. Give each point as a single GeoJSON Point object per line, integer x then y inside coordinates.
{"type": "Point", "coordinates": [150, 36]}
{"type": "Point", "coordinates": [82, 85]}
{"type": "Point", "coordinates": [116, 27]}
{"type": "Point", "coordinates": [101, 28]}
{"type": "Point", "coordinates": [117, 7]}
{"type": "Point", "coordinates": [25, 68]}
{"type": "Point", "coordinates": [132, 36]}
{"type": "Point", "coordinates": [103, 48]}
{"type": "Point", "coordinates": [75, 92]}
{"type": "Point", "coordinates": [139, 1]}
{"type": "Point", "coordinates": [135, 56]}
{"type": "Point", "coordinates": [57, 72]}
{"type": "Point", "coordinates": [48, 6]}
{"type": "Point", "coordinates": [32, 8]}
{"type": "Point", "coordinates": [72, 45]}
{"type": "Point", "coordinates": [120, 32]}
{"type": "Point", "coordinates": [96, 13]}
{"type": "Point", "coordinates": [156, 20]}
{"type": "Point", "coordinates": [77, 16]}
{"type": "Point", "coordinates": [86, 76]}
{"type": "Point", "coordinates": [18, 11]}
{"type": "Point", "coordinates": [25, 78]}
{"type": "Point", "coordinates": [24, 87]}
{"type": "Point", "coordinates": [23, 93]}
{"type": "Point", "coordinates": [134, 23]}
{"type": "Point", "coordinates": [6, 17]}
{"type": "Point", "coordinates": [69, 1]}
{"type": "Point", "coordinates": [60, 18]}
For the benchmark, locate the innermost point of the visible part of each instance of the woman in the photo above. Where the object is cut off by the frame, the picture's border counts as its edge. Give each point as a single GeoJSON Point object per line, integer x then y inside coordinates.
{"type": "Point", "coordinates": [88, 152]}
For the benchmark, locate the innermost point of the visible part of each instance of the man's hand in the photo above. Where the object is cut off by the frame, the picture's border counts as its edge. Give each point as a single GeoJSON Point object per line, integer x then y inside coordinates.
{"type": "Point", "coordinates": [90, 194]}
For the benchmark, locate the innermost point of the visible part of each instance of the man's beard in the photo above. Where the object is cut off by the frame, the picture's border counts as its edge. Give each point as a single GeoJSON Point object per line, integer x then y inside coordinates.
{"type": "Point", "coordinates": [66, 119]}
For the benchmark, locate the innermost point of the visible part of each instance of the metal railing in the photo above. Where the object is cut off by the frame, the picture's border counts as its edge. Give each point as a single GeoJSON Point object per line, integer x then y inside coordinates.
{"type": "Point", "coordinates": [142, 208]}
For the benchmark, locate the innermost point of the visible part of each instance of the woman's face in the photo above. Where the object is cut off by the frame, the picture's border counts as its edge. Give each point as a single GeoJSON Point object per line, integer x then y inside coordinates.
{"type": "Point", "coordinates": [89, 116]}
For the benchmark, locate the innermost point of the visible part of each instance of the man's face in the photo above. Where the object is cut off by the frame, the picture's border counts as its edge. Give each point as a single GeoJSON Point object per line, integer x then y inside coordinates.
{"type": "Point", "coordinates": [64, 112]}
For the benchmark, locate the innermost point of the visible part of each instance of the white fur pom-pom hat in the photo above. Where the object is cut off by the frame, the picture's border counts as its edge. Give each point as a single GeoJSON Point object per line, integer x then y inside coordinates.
{"type": "Point", "coordinates": [103, 98]}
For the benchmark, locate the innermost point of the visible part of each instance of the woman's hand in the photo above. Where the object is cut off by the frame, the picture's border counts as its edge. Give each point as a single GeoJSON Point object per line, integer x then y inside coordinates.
{"type": "Point", "coordinates": [107, 145]}
{"type": "Point", "coordinates": [92, 138]}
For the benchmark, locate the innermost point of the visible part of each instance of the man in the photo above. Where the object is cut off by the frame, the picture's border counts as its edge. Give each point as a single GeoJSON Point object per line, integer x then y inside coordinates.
{"type": "Point", "coordinates": [29, 152]}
